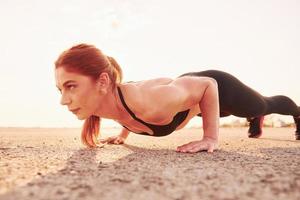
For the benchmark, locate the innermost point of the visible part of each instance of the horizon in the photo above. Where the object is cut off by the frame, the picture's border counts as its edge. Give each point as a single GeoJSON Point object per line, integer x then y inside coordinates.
{"type": "Point", "coordinates": [273, 120]}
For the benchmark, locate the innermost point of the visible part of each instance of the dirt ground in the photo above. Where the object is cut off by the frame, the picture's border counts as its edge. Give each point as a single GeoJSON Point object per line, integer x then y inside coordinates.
{"type": "Point", "coordinates": [53, 164]}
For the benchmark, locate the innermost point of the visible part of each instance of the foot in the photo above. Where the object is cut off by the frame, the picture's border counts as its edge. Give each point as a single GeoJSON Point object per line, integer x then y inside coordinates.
{"type": "Point", "coordinates": [255, 129]}
{"type": "Point", "coordinates": [297, 132]}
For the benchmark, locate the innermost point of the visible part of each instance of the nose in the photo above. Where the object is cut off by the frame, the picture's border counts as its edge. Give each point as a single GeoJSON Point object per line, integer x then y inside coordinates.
{"type": "Point", "coordinates": [65, 100]}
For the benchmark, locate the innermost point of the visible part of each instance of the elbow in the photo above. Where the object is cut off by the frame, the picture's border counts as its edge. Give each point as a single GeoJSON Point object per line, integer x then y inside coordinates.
{"type": "Point", "coordinates": [211, 84]}
{"type": "Point", "coordinates": [211, 90]}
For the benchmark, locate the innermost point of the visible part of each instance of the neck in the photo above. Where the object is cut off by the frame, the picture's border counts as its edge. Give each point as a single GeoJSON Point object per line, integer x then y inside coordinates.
{"type": "Point", "coordinates": [112, 108]}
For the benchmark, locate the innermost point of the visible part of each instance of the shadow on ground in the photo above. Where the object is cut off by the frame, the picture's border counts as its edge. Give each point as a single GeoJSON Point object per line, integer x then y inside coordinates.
{"type": "Point", "coordinates": [164, 174]}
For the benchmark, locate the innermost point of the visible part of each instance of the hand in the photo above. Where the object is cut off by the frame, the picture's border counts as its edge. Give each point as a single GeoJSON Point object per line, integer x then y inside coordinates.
{"type": "Point", "coordinates": [114, 140]}
{"type": "Point", "coordinates": [208, 144]}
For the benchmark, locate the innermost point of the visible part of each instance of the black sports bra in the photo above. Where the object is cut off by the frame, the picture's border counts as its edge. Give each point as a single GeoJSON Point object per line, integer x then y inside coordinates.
{"type": "Point", "coordinates": [158, 130]}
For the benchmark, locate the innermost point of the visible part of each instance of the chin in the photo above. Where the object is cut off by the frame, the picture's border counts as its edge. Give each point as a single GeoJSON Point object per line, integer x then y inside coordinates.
{"type": "Point", "coordinates": [83, 117]}
{"type": "Point", "coordinates": [80, 117]}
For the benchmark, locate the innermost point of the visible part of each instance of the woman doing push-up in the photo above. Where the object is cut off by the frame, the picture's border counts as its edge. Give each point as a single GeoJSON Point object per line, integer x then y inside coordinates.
{"type": "Point", "coordinates": [91, 88]}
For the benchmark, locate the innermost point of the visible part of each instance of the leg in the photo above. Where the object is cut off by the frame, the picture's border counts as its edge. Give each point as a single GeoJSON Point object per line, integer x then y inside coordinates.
{"type": "Point", "coordinates": [277, 104]}
{"type": "Point", "coordinates": [235, 98]}
{"type": "Point", "coordinates": [255, 126]}
{"type": "Point", "coordinates": [297, 122]}
{"type": "Point", "coordinates": [282, 105]}
{"type": "Point", "coordinates": [285, 106]}
{"type": "Point", "coordinates": [240, 100]}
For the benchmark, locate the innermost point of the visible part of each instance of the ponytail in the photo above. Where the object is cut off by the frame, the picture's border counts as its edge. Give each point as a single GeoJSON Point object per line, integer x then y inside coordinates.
{"type": "Point", "coordinates": [90, 131]}
{"type": "Point", "coordinates": [117, 71]}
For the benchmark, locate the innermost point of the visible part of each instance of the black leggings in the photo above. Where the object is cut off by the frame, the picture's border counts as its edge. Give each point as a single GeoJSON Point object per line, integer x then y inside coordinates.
{"type": "Point", "coordinates": [237, 99]}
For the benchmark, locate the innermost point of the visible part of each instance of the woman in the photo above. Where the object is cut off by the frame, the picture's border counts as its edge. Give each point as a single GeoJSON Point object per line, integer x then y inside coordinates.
{"type": "Point", "coordinates": [90, 84]}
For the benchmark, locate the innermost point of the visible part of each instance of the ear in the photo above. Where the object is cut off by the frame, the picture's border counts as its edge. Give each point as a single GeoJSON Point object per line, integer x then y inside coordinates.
{"type": "Point", "coordinates": [103, 82]}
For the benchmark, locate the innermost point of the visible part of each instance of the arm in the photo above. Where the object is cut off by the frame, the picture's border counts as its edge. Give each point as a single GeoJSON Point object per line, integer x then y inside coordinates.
{"type": "Point", "coordinates": [209, 105]}
{"type": "Point", "coordinates": [186, 92]}
{"type": "Point", "coordinates": [124, 133]}
{"type": "Point", "coordinates": [202, 91]}
{"type": "Point", "coordinates": [205, 92]}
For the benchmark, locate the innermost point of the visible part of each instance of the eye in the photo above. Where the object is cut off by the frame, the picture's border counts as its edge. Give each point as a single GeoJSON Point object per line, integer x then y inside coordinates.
{"type": "Point", "coordinates": [71, 87]}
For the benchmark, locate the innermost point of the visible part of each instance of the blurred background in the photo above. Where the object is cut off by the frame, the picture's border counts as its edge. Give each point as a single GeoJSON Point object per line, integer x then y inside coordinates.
{"type": "Point", "coordinates": [257, 41]}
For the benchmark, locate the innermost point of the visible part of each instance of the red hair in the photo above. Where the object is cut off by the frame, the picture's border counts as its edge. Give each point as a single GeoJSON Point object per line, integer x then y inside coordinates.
{"type": "Point", "coordinates": [89, 61]}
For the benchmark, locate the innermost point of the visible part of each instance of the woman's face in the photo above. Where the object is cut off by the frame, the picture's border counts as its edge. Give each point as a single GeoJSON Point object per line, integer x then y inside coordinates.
{"type": "Point", "coordinates": [78, 92]}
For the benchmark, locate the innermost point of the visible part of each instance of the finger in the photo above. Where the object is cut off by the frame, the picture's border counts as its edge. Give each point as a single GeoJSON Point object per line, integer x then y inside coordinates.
{"type": "Point", "coordinates": [111, 140]}
{"type": "Point", "coordinates": [188, 149]}
{"type": "Point", "coordinates": [186, 145]}
{"type": "Point", "coordinates": [103, 140]}
{"type": "Point", "coordinates": [100, 145]}
{"type": "Point", "coordinates": [183, 150]}
{"type": "Point", "coordinates": [198, 149]}
{"type": "Point", "coordinates": [116, 141]}
{"type": "Point", "coordinates": [210, 149]}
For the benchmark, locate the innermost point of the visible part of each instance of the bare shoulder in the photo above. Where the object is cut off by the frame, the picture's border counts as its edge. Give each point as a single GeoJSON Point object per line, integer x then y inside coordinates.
{"type": "Point", "coordinates": [178, 86]}
{"type": "Point", "coordinates": [192, 81]}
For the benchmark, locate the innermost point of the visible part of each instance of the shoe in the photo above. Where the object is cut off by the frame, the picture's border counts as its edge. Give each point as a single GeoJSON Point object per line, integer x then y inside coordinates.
{"type": "Point", "coordinates": [297, 123]}
{"type": "Point", "coordinates": [255, 126]}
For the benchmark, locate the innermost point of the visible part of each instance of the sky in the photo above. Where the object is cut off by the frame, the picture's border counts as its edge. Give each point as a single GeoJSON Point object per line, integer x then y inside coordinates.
{"type": "Point", "coordinates": [257, 41]}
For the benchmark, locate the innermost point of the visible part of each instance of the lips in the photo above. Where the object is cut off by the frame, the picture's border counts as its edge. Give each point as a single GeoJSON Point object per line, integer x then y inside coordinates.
{"type": "Point", "coordinates": [75, 110]}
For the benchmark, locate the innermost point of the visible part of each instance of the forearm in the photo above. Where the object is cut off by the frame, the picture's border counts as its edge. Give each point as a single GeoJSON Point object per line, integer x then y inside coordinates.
{"type": "Point", "coordinates": [124, 133]}
{"type": "Point", "coordinates": [210, 112]}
